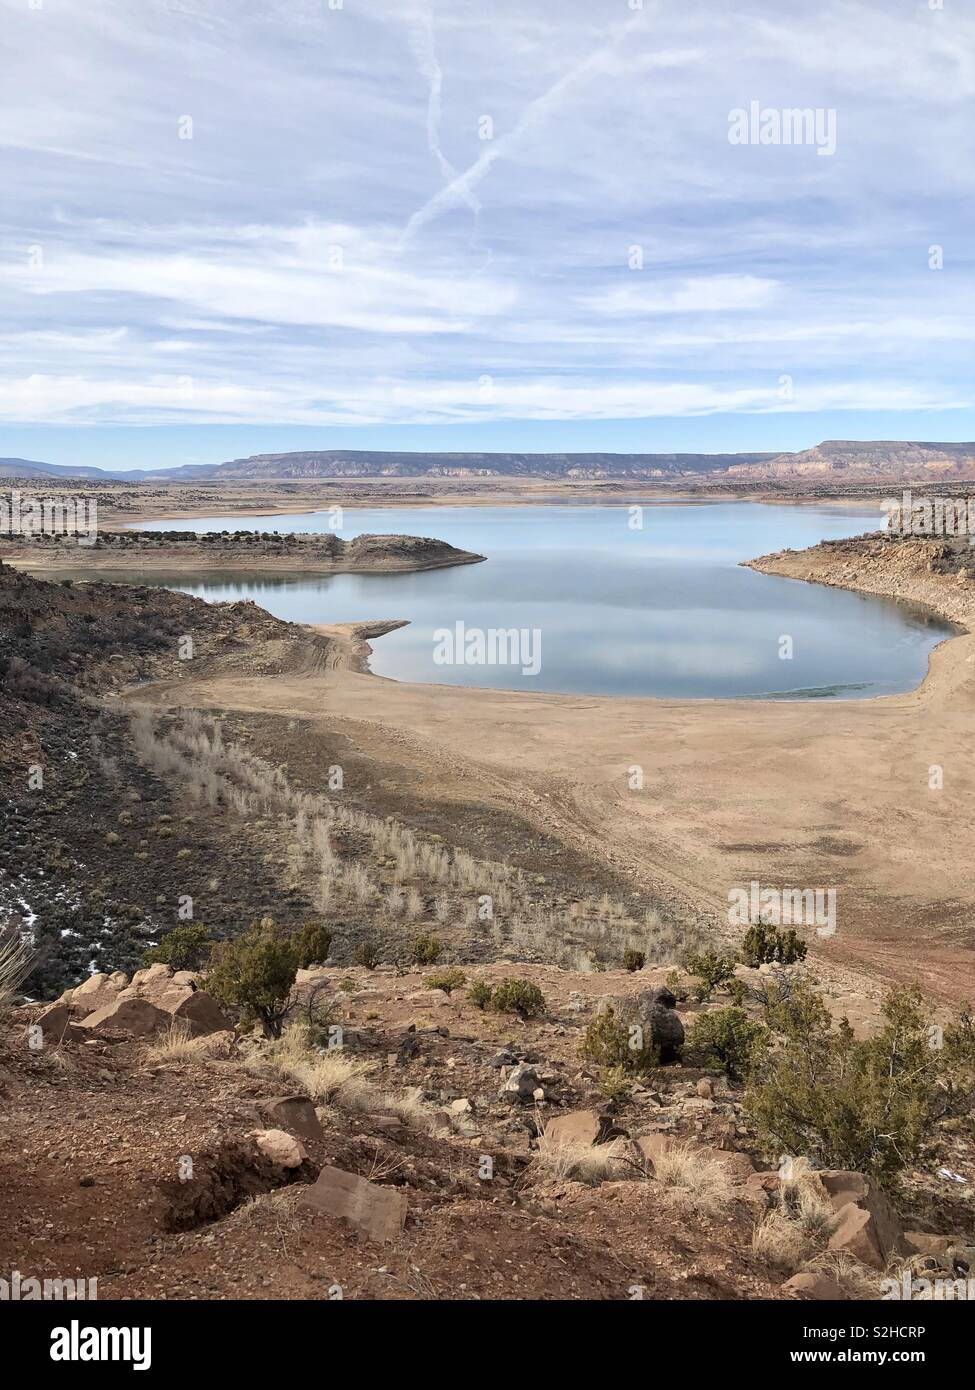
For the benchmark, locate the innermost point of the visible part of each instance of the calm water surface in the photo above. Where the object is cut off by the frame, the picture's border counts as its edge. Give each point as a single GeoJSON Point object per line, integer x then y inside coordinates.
{"type": "Point", "coordinates": [663, 610]}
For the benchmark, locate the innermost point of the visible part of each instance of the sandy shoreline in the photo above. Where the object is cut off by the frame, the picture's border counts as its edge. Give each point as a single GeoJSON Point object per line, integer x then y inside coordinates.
{"type": "Point", "coordinates": [789, 793]}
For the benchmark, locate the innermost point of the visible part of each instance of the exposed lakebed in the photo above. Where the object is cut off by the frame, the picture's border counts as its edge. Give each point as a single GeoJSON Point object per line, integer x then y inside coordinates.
{"type": "Point", "coordinates": [606, 607]}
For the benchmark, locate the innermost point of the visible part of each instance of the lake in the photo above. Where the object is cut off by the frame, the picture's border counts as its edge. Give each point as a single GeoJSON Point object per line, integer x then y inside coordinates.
{"type": "Point", "coordinates": [579, 599]}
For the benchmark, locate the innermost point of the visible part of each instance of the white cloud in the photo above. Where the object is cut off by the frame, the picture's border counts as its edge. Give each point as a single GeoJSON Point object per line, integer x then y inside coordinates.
{"type": "Point", "coordinates": [510, 296]}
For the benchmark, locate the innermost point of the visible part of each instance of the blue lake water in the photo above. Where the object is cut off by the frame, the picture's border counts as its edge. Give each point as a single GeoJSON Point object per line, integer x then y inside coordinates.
{"type": "Point", "coordinates": [606, 608]}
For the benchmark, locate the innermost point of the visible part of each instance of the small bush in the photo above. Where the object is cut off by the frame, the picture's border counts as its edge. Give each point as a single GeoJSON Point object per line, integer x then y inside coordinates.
{"type": "Point", "coordinates": [255, 973]}
{"type": "Point", "coordinates": [726, 1038]}
{"type": "Point", "coordinates": [447, 980]}
{"type": "Point", "coordinates": [313, 943]}
{"type": "Point", "coordinates": [873, 1105]}
{"type": "Point", "coordinates": [426, 950]}
{"type": "Point", "coordinates": [633, 960]}
{"type": "Point", "coordinates": [366, 953]}
{"type": "Point", "coordinates": [517, 997]}
{"type": "Point", "coordinates": [764, 943]}
{"type": "Point", "coordinates": [184, 948]}
{"type": "Point", "coordinates": [615, 1084]}
{"type": "Point", "coordinates": [610, 1043]}
{"type": "Point", "coordinates": [479, 994]}
{"type": "Point", "coordinates": [713, 971]}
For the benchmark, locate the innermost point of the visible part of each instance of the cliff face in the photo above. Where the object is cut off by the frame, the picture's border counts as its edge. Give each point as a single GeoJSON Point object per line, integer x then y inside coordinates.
{"type": "Point", "coordinates": [840, 460]}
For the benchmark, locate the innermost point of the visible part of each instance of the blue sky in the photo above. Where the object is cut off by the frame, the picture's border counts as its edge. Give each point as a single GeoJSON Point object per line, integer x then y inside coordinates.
{"type": "Point", "coordinates": [232, 227]}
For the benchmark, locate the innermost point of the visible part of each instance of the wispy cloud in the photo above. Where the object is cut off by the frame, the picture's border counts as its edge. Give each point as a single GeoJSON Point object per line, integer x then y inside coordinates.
{"type": "Point", "coordinates": [286, 213]}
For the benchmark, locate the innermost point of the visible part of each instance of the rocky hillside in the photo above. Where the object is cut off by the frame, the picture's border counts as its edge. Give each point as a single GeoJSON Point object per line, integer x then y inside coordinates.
{"type": "Point", "coordinates": [442, 1151]}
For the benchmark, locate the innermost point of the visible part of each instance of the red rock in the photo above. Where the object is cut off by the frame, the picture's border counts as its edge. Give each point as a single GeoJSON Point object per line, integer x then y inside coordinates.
{"type": "Point", "coordinates": [814, 1284]}
{"type": "Point", "coordinates": [577, 1127]}
{"type": "Point", "coordinates": [378, 1212]}
{"type": "Point", "coordinates": [280, 1148]}
{"type": "Point", "coordinates": [293, 1113]}
{"type": "Point", "coordinates": [137, 1017]}
{"type": "Point", "coordinates": [201, 1014]}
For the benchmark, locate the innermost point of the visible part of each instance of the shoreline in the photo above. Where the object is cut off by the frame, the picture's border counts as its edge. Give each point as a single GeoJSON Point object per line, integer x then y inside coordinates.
{"type": "Point", "coordinates": [794, 792]}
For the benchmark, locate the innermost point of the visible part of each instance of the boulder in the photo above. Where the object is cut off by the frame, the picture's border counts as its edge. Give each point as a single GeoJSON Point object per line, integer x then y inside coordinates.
{"type": "Point", "coordinates": [873, 1235]}
{"type": "Point", "coordinates": [53, 1022]}
{"type": "Point", "coordinates": [655, 1145]}
{"type": "Point", "coordinates": [136, 1017]}
{"type": "Point", "coordinates": [378, 1212]}
{"type": "Point", "coordinates": [294, 1113]}
{"type": "Point", "coordinates": [521, 1084]}
{"type": "Point", "coordinates": [816, 1285]}
{"type": "Point", "coordinates": [654, 1010]}
{"type": "Point", "coordinates": [856, 1235]}
{"type": "Point", "coordinates": [578, 1127]}
{"type": "Point", "coordinates": [151, 974]}
{"type": "Point", "coordinates": [200, 1012]}
{"type": "Point", "coordinates": [279, 1148]}
{"type": "Point", "coordinates": [923, 1243]}
{"type": "Point", "coordinates": [96, 993]}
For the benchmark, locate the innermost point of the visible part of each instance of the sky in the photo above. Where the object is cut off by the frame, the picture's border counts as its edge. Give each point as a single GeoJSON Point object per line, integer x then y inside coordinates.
{"type": "Point", "coordinates": [242, 226]}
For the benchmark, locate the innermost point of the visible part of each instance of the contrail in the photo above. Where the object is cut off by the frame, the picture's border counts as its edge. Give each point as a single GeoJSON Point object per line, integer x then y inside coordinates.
{"type": "Point", "coordinates": [461, 187]}
{"type": "Point", "coordinates": [423, 44]}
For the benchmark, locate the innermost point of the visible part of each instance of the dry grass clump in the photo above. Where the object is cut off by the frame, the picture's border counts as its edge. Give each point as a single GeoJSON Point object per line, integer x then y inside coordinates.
{"type": "Point", "coordinates": [332, 1077]}
{"type": "Point", "coordinates": [16, 962]}
{"type": "Point", "coordinates": [578, 1162]}
{"type": "Point", "coordinates": [697, 1182]}
{"type": "Point", "coordinates": [177, 1044]}
{"type": "Point", "coordinates": [801, 1222]}
{"type": "Point", "coordinates": [856, 1280]}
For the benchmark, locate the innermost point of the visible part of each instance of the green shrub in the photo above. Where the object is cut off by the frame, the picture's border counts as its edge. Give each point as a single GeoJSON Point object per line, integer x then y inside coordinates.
{"type": "Point", "coordinates": [675, 983]}
{"type": "Point", "coordinates": [610, 1043]}
{"type": "Point", "coordinates": [633, 960]}
{"type": "Point", "coordinates": [366, 953]}
{"type": "Point", "coordinates": [738, 991]}
{"type": "Point", "coordinates": [447, 980]}
{"type": "Point", "coordinates": [313, 943]}
{"type": "Point", "coordinates": [255, 973]}
{"type": "Point", "coordinates": [763, 942]}
{"type": "Point", "coordinates": [426, 950]}
{"type": "Point", "coordinates": [875, 1105]}
{"type": "Point", "coordinates": [615, 1084]}
{"type": "Point", "coordinates": [726, 1038]}
{"type": "Point", "coordinates": [517, 997]}
{"type": "Point", "coordinates": [184, 948]}
{"type": "Point", "coordinates": [713, 971]}
{"type": "Point", "coordinates": [479, 994]}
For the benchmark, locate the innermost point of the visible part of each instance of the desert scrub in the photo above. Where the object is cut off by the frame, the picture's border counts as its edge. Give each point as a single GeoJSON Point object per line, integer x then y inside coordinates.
{"type": "Point", "coordinates": [633, 960]}
{"type": "Point", "coordinates": [366, 953]}
{"type": "Point", "coordinates": [479, 994]}
{"type": "Point", "coordinates": [255, 973]}
{"type": "Point", "coordinates": [875, 1105]}
{"type": "Point", "coordinates": [184, 948]}
{"type": "Point", "coordinates": [426, 949]}
{"type": "Point", "coordinates": [517, 997]}
{"type": "Point", "coordinates": [763, 943]}
{"type": "Point", "coordinates": [713, 971]}
{"type": "Point", "coordinates": [615, 1084]}
{"type": "Point", "coordinates": [447, 980]}
{"type": "Point", "coordinates": [610, 1043]}
{"type": "Point", "coordinates": [725, 1038]}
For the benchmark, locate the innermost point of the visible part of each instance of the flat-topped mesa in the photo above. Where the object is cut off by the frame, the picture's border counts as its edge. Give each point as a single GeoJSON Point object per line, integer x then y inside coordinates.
{"type": "Point", "coordinates": [320, 553]}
